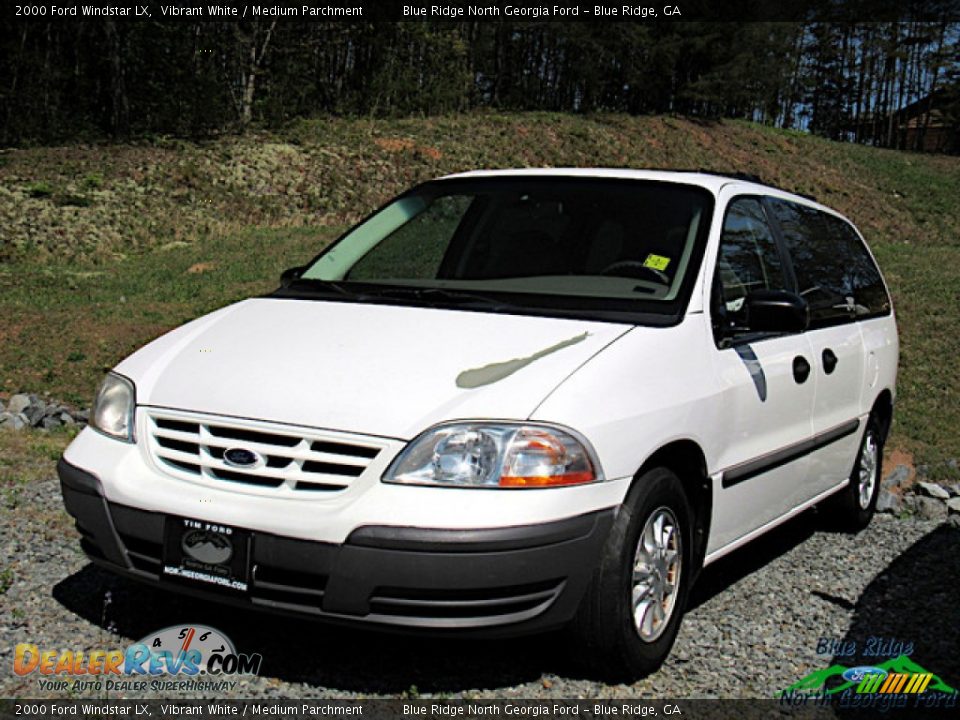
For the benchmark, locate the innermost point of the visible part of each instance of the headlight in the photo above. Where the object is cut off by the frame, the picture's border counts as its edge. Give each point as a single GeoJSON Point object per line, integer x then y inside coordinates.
{"type": "Point", "coordinates": [113, 407]}
{"type": "Point", "coordinates": [495, 455]}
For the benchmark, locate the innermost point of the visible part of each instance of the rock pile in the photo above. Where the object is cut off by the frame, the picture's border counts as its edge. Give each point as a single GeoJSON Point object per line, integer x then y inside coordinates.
{"type": "Point", "coordinates": [31, 411]}
{"type": "Point", "coordinates": [927, 500]}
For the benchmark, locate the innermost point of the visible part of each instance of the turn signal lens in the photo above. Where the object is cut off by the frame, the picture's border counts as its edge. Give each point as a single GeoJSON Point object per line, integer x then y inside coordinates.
{"type": "Point", "coordinates": [541, 458]}
{"type": "Point", "coordinates": [547, 480]}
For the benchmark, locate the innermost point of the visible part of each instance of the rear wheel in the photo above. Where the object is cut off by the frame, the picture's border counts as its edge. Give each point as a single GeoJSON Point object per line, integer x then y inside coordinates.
{"type": "Point", "coordinates": [631, 613]}
{"type": "Point", "coordinates": [852, 508]}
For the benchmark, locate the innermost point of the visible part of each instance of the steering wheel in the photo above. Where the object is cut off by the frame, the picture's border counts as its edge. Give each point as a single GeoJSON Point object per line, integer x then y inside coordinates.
{"type": "Point", "coordinates": [636, 269]}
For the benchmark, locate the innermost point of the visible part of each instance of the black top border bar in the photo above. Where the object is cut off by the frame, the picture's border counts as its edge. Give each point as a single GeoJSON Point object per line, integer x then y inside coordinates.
{"type": "Point", "coordinates": [633, 11]}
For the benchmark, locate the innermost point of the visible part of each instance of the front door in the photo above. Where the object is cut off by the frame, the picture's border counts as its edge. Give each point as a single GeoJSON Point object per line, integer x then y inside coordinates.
{"type": "Point", "coordinates": [767, 385]}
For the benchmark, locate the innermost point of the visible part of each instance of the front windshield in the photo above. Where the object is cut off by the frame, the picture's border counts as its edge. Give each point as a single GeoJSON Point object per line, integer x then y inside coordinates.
{"type": "Point", "coordinates": [571, 242]}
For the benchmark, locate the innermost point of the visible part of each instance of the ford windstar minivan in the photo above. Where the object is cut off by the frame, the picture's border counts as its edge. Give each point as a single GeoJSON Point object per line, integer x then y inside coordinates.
{"type": "Point", "coordinates": [506, 402]}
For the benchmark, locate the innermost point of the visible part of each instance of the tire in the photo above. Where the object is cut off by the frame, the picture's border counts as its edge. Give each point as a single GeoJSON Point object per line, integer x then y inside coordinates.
{"type": "Point", "coordinates": [852, 508]}
{"type": "Point", "coordinates": [607, 640]}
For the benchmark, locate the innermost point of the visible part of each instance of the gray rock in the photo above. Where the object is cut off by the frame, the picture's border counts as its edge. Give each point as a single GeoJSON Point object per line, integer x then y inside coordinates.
{"type": "Point", "coordinates": [67, 419]}
{"type": "Point", "coordinates": [952, 464]}
{"type": "Point", "coordinates": [49, 422]}
{"type": "Point", "coordinates": [930, 509]}
{"type": "Point", "coordinates": [39, 409]}
{"type": "Point", "coordinates": [887, 502]}
{"type": "Point", "coordinates": [35, 413]}
{"type": "Point", "coordinates": [953, 506]}
{"type": "Point", "coordinates": [954, 490]}
{"type": "Point", "coordinates": [19, 403]}
{"type": "Point", "coordinates": [897, 477]}
{"type": "Point", "coordinates": [53, 409]}
{"type": "Point", "coordinates": [82, 416]}
{"type": "Point", "coordinates": [932, 490]}
{"type": "Point", "coordinates": [9, 421]}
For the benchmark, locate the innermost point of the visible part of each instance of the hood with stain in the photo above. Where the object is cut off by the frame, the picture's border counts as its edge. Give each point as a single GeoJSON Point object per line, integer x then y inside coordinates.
{"type": "Point", "coordinates": [383, 370]}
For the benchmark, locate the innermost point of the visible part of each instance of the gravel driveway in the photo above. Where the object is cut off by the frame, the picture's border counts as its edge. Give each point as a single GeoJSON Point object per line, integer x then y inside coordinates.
{"type": "Point", "coordinates": [753, 627]}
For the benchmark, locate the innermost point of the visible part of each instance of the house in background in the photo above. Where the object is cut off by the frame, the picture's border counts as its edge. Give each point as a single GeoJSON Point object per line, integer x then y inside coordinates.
{"type": "Point", "coordinates": [930, 124]}
{"type": "Point", "coordinates": [926, 126]}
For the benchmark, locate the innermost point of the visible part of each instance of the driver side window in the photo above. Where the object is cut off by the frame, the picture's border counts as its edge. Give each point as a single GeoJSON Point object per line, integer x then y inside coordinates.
{"type": "Point", "coordinates": [748, 261]}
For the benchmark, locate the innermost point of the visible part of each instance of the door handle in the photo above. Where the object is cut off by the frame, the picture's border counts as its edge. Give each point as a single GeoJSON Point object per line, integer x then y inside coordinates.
{"type": "Point", "coordinates": [829, 361]}
{"type": "Point", "coordinates": [801, 369]}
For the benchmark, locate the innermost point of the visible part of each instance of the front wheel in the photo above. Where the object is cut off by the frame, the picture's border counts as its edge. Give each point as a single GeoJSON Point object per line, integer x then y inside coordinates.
{"type": "Point", "coordinates": [629, 618]}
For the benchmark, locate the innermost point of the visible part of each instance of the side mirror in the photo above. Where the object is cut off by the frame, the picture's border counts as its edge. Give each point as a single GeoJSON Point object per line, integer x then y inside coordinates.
{"type": "Point", "coordinates": [777, 311]}
{"type": "Point", "coordinates": [288, 276]}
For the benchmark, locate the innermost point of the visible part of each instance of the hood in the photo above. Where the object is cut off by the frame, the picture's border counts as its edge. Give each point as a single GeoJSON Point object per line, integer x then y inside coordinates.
{"type": "Point", "coordinates": [382, 370]}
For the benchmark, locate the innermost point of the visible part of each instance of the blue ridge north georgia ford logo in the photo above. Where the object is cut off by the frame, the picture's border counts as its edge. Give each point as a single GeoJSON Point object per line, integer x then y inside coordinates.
{"type": "Point", "coordinates": [207, 547]}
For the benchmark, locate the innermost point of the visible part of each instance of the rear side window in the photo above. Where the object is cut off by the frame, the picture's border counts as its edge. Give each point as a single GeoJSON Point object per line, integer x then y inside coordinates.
{"type": "Point", "coordinates": [869, 295]}
{"type": "Point", "coordinates": [835, 273]}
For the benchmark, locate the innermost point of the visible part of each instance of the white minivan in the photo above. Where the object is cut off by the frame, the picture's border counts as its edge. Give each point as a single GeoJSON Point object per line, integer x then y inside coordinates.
{"type": "Point", "coordinates": [506, 402]}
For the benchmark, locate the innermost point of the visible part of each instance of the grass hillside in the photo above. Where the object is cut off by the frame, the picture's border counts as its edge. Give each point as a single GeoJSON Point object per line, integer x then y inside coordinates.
{"type": "Point", "coordinates": [105, 247]}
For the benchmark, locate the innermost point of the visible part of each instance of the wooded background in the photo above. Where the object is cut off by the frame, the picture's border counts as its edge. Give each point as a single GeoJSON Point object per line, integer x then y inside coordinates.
{"type": "Point", "coordinates": [67, 80]}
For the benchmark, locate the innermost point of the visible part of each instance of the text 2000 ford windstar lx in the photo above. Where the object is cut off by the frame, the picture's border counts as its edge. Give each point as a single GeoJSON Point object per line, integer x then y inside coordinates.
{"type": "Point", "coordinates": [505, 402]}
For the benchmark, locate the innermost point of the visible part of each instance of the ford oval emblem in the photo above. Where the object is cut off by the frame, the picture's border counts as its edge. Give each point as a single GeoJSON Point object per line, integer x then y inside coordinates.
{"type": "Point", "coordinates": [856, 674]}
{"type": "Point", "coordinates": [242, 458]}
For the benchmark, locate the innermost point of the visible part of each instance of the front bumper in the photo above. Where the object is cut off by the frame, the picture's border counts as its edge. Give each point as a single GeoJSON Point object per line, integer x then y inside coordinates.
{"type": "Point", "coordinates": [498, 581]}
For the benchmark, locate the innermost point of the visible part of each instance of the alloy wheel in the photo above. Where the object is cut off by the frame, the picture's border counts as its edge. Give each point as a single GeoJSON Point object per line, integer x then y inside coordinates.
{"type": "Point", "coordinates": [656, 574]}
{"type": "Point", "coordinates": [867, 472]}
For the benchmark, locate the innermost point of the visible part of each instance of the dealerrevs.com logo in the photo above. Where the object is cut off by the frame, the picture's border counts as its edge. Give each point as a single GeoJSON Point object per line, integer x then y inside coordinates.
{"type": "Point", "coordinates": [180, 657]}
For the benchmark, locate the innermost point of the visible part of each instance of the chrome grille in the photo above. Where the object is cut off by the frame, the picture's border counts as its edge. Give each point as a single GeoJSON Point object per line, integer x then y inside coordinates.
{"type": "Point", "coordinates": [293, 458]}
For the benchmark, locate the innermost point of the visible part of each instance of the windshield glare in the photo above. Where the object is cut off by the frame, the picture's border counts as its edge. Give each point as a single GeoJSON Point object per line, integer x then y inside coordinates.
{"type": "Point", "coordinates": [568, 240]}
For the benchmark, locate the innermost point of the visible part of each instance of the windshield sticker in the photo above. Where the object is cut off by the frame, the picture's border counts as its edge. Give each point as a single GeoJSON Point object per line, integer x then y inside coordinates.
{"type": "Point", "coordinates": [498, 371]}
{"type": "Point", "coordinates": [656, 262]}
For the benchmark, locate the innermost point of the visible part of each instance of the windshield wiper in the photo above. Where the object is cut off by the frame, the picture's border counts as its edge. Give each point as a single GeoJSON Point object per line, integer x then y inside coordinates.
{"type": "Point", "coordinates": [425, 295]}
{"type": "Point", "coordinates": [441, 294]}
{"type": "Point", "coordinates": [314, 284]}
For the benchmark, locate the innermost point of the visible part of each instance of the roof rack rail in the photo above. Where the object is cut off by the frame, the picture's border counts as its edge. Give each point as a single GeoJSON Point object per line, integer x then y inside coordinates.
{"type": "Point", "coordinates": [750, 177]}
